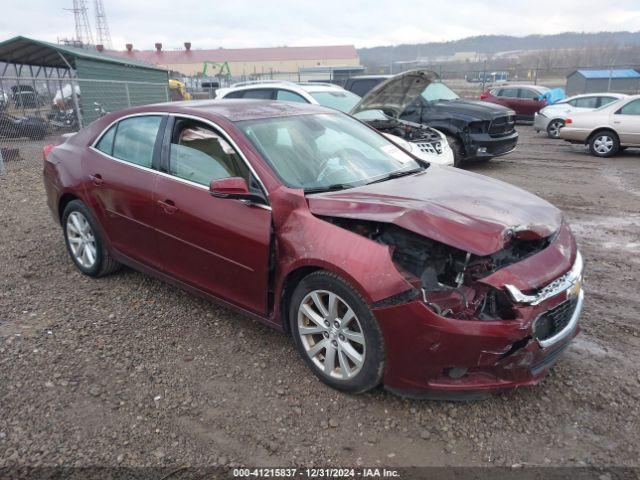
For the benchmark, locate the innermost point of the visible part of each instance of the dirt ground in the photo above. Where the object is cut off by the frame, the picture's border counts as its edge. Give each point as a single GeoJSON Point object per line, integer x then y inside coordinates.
{"type": "Point", "coordinates": [127, 370]}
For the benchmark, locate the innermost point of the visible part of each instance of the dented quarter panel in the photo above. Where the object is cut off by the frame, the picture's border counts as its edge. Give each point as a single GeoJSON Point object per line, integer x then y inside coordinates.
{"type": "Point", "coordinates": [303, 240]}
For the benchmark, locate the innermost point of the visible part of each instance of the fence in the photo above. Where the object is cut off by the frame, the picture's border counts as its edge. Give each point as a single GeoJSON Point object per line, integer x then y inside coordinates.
{"type": "Point", "coordinates": [35, 111]}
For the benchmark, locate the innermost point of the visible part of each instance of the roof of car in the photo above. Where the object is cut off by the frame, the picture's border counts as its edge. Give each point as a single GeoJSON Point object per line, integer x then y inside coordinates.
{"type": "Point", "coordinates": [236, 110]}
{"type": "Point", "coordinates": [596, 94]}
{"type": "Point", "coordinates": [308, 87]}
{"type": "Point", "coordinates": [538, 88]}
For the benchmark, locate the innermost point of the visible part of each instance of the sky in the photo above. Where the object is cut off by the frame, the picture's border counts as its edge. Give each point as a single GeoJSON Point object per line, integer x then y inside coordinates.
{"type": "Point", "coordinates": [364, 23]}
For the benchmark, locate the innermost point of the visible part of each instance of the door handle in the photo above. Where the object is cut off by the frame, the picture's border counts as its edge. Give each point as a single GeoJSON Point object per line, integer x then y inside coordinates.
{"type": "Point", "coordinates": [168, 206]}
{"type": "Point", "coordinates": [96, 178]}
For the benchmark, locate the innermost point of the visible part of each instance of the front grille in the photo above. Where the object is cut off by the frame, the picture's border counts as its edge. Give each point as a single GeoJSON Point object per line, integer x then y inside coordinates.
{"type": "Point", "coordinates": [555, 320]}
{"type": "Point", "coordinates": [432, 148]}
{"type": "Point", "coordinates": [502, 125]}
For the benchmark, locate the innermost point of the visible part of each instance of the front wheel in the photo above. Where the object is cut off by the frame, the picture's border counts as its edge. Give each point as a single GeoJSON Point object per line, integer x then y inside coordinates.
{"type": "Point", "coordinates": [604, 144]}
{"type": "Point", "coordinates": [336, 334]}
{"type": "Point", "coordinates": [458, 150]}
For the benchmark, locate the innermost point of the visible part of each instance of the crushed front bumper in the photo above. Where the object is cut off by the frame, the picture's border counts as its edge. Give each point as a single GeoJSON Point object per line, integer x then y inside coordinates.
{"type": "Point", "coordinates": [423, 348]}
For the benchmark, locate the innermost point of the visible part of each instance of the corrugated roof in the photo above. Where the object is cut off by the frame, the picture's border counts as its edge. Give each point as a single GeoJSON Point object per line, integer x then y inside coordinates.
{"type": "Point", "coordinates": [28, 51]}
{"type": "Point", "coordinates": [176, 57]}
{"type": "Point", "coordinates": [616, 73]}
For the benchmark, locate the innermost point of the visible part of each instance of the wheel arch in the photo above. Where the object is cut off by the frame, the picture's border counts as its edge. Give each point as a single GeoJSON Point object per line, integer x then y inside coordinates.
{"type": "Point", "coordinates": [601, 130]}
{"type": "Point", "coordinates": [65, 199]}
{"type": "Point", "coordinates": [297, 273]}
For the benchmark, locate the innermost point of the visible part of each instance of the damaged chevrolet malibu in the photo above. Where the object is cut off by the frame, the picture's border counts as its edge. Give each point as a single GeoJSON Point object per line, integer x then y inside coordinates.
{"type": "Point", "coordinates": [384, 269]}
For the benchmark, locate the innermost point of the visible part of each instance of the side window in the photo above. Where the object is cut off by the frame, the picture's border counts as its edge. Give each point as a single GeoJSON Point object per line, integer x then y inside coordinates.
{"type": "Point", "coordinates": [200, 155]}
{"type": "Point", "coordinates": [509, 92]}
{"type": "Point", "coordinates": [528, 94]}
{"type": "Point", "coordinates": [606, 101]}
{"type": "Point", "coordinates": [587, 102]}
{"type": "Point", "coordinates": [573, 102]}
{"type": "Point", "coordinates": [236, 94]}
{"type": "Point", "coordinates": [106, 142]}
{"type": "Point", "coordinates": [631, 108]}
{"type": "Point", "coordinates": [289, 96]}
{"type": "Point", "coordinates": [259, 93]}
{"type": "Point", "coordinates": [135, 139]}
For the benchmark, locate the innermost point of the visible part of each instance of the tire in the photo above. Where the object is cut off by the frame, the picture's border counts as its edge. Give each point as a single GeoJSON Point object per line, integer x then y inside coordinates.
{"type": "Point", "coordinates": [604, 144]}
{"type": "Point", "coordinates": [81, 230]}
{"type": "Point", "coordinates": [458, 151]}
{"type": "Point", "coordinates": [553, 128]}
{"type": "Point", "coordinates": [350, 337]}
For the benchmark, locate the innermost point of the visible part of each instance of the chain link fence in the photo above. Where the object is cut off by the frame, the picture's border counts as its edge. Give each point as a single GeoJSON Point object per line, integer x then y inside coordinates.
{"type": "Point", "coordinates": [35, 111]}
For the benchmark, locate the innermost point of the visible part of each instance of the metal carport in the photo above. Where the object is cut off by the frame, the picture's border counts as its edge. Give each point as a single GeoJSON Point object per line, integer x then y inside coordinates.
{"type": "Point", "coordinates": [114, 82]}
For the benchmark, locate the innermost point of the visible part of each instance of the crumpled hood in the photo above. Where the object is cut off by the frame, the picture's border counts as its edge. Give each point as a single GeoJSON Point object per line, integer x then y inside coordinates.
{"type": "Point", "coordinates": [396, 93]}
{"type": "Point", "coordinates": [467, 211]}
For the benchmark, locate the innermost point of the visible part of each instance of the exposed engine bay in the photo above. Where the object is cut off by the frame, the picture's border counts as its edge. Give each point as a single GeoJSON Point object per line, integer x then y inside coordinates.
{"type": "Point", "coordinates": [446, 276]}
{"type": "Point", "coordinates": [425, 138]}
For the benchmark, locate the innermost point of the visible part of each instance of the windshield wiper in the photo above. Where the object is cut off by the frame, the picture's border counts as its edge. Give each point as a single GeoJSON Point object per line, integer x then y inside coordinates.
{"type": "Point", "coordinates": [399, 173]}
{"type": "Point", "coordinates": [329, 188]}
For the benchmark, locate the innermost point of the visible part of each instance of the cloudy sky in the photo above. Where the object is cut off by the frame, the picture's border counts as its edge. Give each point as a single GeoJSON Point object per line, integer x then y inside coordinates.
{"type": "Point", "coordinates": [365, 23]}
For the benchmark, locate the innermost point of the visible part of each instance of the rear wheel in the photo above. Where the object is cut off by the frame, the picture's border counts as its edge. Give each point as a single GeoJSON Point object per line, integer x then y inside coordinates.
{"type": "Point", "coordinates": [336, 334]}
{"type": "Point", "coordinates": [553, 129]}
{"type": "Point", "coordinates": [84, 243]}
{"type": "Point", "coordinates": [458, 150]}
{"type": "Point", "coordinates": [604, 144]}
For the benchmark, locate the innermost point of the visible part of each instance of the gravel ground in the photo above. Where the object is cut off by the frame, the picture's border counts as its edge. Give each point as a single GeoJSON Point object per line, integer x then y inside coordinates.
{"type": "Point", "coordinates": [127, 370]}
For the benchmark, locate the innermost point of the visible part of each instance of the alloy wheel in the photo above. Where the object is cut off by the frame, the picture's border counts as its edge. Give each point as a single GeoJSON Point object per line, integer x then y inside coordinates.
{"type": "Point", "coordinates": [331, 334]}
{"type": "Point", "coordinates": [554, 128]}
{"type": "Point", "coordinates": [82, 241]}
{"type": "Point", "coordinates": [603, 144]}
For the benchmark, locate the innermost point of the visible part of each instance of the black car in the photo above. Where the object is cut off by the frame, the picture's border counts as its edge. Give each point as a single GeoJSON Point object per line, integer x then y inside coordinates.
{"type": "Point", "coordinates": [17, 127]}
{"type": "Point", "coordinates": [363, 84]}
{"type": "Point", "coordinates": [475, 130]}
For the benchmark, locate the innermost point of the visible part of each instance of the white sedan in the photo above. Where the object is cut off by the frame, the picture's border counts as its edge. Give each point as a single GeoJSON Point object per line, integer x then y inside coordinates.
{"type": "Point", "coordinates": [432, 146]}
{"type": "Point", "coordinates": [551, 118]}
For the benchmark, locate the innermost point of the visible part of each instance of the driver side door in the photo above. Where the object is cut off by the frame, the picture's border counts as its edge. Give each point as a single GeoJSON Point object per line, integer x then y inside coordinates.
{"type": "Point", "coordinates": [218, 245]}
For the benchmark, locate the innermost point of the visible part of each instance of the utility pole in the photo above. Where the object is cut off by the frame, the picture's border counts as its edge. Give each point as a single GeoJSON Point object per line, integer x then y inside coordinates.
{"type": "Point", "coordinates": [81, 18]}
{"type": "Point", "coordinates": [102, 27]}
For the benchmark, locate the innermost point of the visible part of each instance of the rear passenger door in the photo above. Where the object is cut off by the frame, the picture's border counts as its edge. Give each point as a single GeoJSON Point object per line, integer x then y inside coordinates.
{"type": "Point", "coordinates": [509, 98]}
{"type": "Point", "coordinates": [121, 176]}
{"type": "Point", "coordinates": [220, 246]}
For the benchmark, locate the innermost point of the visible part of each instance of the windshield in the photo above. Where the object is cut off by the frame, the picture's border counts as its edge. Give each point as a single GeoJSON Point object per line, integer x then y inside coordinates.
{"type": "Point", "coordinates": [339, 99]}
{"type": "Point", "coordinates": [326, 151]}
{"type": "Point", "coordinates": [438, 91]}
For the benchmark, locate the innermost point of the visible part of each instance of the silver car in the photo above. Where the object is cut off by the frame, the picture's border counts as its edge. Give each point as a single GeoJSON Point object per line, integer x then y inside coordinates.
{"type": "Point", "coordinates": [606, 130]}
{"type": "Point", "coordinates": [551, 118]}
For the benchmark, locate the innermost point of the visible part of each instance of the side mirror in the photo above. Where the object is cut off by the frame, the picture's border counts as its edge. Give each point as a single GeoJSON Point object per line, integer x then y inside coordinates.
{"type": "Point", "coordinates": [235, 188]}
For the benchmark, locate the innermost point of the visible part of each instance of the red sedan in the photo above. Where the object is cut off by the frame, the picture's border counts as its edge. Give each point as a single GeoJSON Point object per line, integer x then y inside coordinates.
{"type": "Point", "coordinates": [522, 99]}
{"type": "Point", "coordinates": [383, 268]}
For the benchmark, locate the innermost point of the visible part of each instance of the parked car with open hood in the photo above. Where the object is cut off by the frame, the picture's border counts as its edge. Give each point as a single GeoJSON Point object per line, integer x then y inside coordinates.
{"type": "Point", "coordinates": [474, 130]}
{"type": "Point", "coordinates": [383, 268]}
{"type": "Point", "coordinates": [551, 118]}
{"type": "Point", "coordinates": [424, 142]}
{"type": "Point", "coordinates": [608, 129]}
